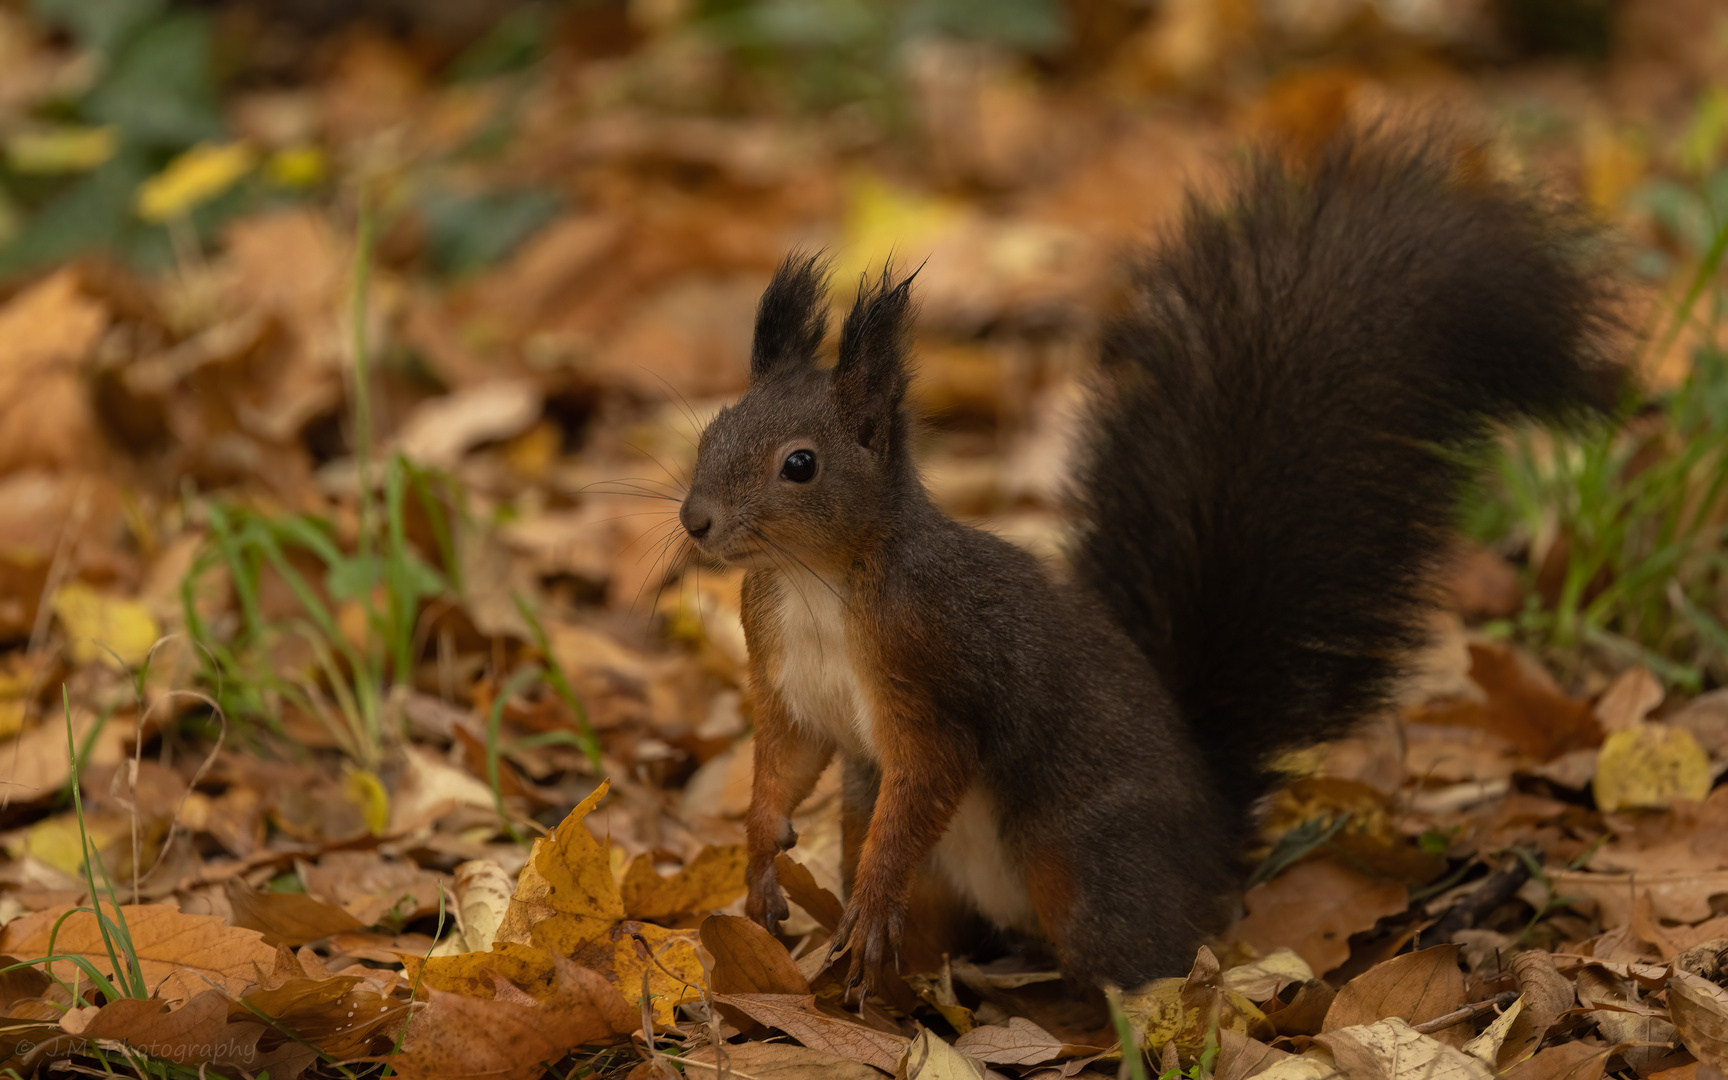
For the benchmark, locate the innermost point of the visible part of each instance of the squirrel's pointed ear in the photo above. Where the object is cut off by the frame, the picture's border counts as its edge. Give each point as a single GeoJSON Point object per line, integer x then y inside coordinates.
{"type": "Point", "coordinates": [792, 318]}
{"type": "Point", "coordinates": [871, 378]}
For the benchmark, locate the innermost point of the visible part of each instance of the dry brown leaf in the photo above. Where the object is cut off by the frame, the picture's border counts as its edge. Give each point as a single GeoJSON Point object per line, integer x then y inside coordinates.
{"type": "Point", "coordinates": [773, 1061]}
{"type": "Point", "coordinates": [1568, 1061]}
{"type": "Point", "coordinates": [1416, 987]}
{"type": "Point", "coordinates": [1546, 994]}
{"type": "Point", "coordinates": [285, 918]}
{"type": "Point", "coordinates": [1630, 699]}
{"type": "Point", "coordinates": [440, 430]}
{"type": "Point", "coordinates": [798, 1016]}
{"type": "Point", "coordinates": [1523, 705]}
{"type": "Point", "coordinates": [37, 763]}
{"type": "Point", "coordinates": [196, 1034]}
{"type": "Point", "coordinates": [1623, 1018]}
{"type": "Point", "coordinates": [1240, 1057]}
{"type": "Point", "coordinates": [1314, 907]}
{"type": "Point", "coordinates": [1019, 1042]}
{"type": "Point", "coordinates": [1307, 1011]}
{"type": "Point", "coordinates": [1681, 896]}
{"type": "Point", "coordinates": [456, 1035]}
{"type": "Point", "coordinates": [1700, 1012]}
{"type": "Point", "coordinates": [748, 959]}
{"type": "Point", "coordinates": [370, 887]}
{"type": "Point", "coordinates": [181, 955]}
{"type": "Point", "coordinates": [713, 879]}
{"type": "Point", "coordinates": [802, 889]}
{"type": "Point", "coordinates": [1393, 1050]}
{"type": "Point", "coordinates": [45, 413]}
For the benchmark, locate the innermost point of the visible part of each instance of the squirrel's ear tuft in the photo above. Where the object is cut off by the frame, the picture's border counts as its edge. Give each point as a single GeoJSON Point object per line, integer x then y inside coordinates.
{"type": "Point", "coordinates": [792, 318]}
{"type": "Point", "coordinates": [874, 371]}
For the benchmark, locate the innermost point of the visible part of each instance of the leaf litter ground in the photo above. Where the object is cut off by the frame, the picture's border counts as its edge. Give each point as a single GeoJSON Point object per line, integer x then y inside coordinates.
{"type": "Point", "coordinates": [469, 799]}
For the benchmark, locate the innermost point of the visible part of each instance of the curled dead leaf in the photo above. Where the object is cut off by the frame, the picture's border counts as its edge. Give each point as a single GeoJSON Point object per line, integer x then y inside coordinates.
{"type": "Point", "coordinates": [1700, 1012]}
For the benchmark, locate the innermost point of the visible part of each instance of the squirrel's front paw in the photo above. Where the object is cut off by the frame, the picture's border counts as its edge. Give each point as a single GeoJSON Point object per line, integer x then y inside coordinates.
{"type": "Point", "coordinates": [766, 903]}
{"type": "Point", "coordinates": [870, 930]}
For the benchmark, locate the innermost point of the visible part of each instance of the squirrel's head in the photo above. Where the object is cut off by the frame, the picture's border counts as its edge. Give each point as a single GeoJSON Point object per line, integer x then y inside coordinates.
{"type": "Point", "coordinates": [807, 464]}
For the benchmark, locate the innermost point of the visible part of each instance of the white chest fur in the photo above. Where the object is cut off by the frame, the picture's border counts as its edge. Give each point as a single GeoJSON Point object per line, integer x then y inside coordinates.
{"type": "Point", "coordinates": [820, 685]}
{"type": "Point", "coordinates": [817, 679]}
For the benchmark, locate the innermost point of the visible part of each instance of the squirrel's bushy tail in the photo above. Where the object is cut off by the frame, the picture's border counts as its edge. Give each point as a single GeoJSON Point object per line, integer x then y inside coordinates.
{"type": "Point", "coordinates": [1265, 498]}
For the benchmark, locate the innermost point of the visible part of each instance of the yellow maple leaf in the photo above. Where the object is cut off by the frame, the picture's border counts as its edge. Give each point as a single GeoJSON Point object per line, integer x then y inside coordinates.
{"type": "Point", "coordinates": [105, 628]}
{"type": "Point", "coordinates": [193, 177]}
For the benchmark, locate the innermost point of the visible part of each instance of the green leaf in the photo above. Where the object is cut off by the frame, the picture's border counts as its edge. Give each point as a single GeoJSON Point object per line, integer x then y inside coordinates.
{"type": "Point", "coordinates": [514, 42]}
{"type": "Point", "coordinates": [102, 25]}
{"type": "Point", "coordinates": [159, 88]}
{"type": "Point", "coordinates": [95, 212]}
{"type": "Point", "coordinates": [466, 233]}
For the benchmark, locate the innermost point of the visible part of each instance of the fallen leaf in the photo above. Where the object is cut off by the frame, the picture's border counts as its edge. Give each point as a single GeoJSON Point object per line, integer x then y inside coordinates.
{"type": "Point", "coordinates": [1681, 896]}
{"type": "Point", "coordinates": [1523, 704]}
{"type": "Point", "coordinates": [196, 1034]}
{"type": "Point", "coordinates": [713, 879]}
{"type": "Point", "coordinates": [748, 959]}
{"type": "Point", "coordinates": [371, 887]}
{"type": "Point", "coordinates": [1700, 1012]}
{"type": "Point", "coordinates": [456, 1035]}
{"type": "Point", "coordinates": [286, 918]}
{"type": "Point", "coordinates": [439, 431]}
{"type": "Point", "coordinates": [773, 1061]}
{"type": "Point", "coordinates": [571, 866]}
{"type": "Point", "coordinates": [194, 176]}
{"type": "Point", "coordinates": [1240, 1057]}
{"type": "Point", "coordinates": [1189, 1011]}
{"type": "Point", "coordinates": [1260, 980]}
{"type": "Point", "coordinates": [797, 1016]}
{"type": "Point", "coordinates": [1019, 1042]}
{"type": "Point", "coordinates": [483, 892]}
{"type": "Point", "coordinates": [1306, 1012]}
{"type": "Point", "coordinates": [1486, 1046]}
{"type": "Point", "coordinates": [802, 889]}
{"type": "Point", "coordinates": [1314, 907]}
{"type": "Point", "coordinates": [180, 955]}
{"type": "Point", "coordinates": [1393, 1050]}
{"type": "Point", "coordinates": [102, 628]}
{"type": "Point", "coordinates": [1615, 1005]}
{"type": "Point", "coordinates": [1547, 995]}
{"type": "Point", "coordinates": [1416, 987]}
{"type": "Point", "coordinates": [931, 1058]}
{"type": "Point", "coordinates": [1650, 765]}
{"type": "Point", "coordinates": [1625, 704]}
{"type": "Point", "coordinates": [340, 1014]}
{"type": "Point", "coordinates": [47, 331]}
{"type": "Point", "coordinates": [1568, 1061]}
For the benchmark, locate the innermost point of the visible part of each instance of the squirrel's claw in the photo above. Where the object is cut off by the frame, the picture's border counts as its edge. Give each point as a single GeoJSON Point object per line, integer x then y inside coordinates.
{"type": "Point", "coordinates": [869, 932]}
{"type": "Point", "coordinates": [766, 903]}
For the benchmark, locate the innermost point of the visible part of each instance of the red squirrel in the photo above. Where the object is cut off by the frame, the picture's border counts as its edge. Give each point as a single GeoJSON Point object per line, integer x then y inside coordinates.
{"type": "Point", "coordinates": [1265, 487]}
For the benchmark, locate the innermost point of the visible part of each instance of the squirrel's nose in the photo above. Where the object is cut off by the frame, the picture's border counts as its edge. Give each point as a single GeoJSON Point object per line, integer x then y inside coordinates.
{"type": "Point", "coordinates": [697, 520]}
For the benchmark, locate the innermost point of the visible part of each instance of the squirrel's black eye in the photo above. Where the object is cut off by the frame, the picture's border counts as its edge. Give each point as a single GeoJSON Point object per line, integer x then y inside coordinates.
{"type": "Point", "coordinates": [800, 466]}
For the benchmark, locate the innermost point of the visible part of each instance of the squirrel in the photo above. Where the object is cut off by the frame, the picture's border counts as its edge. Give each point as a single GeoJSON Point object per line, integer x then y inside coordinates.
{"type": "Point", "coordinates": [1264, 489]}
